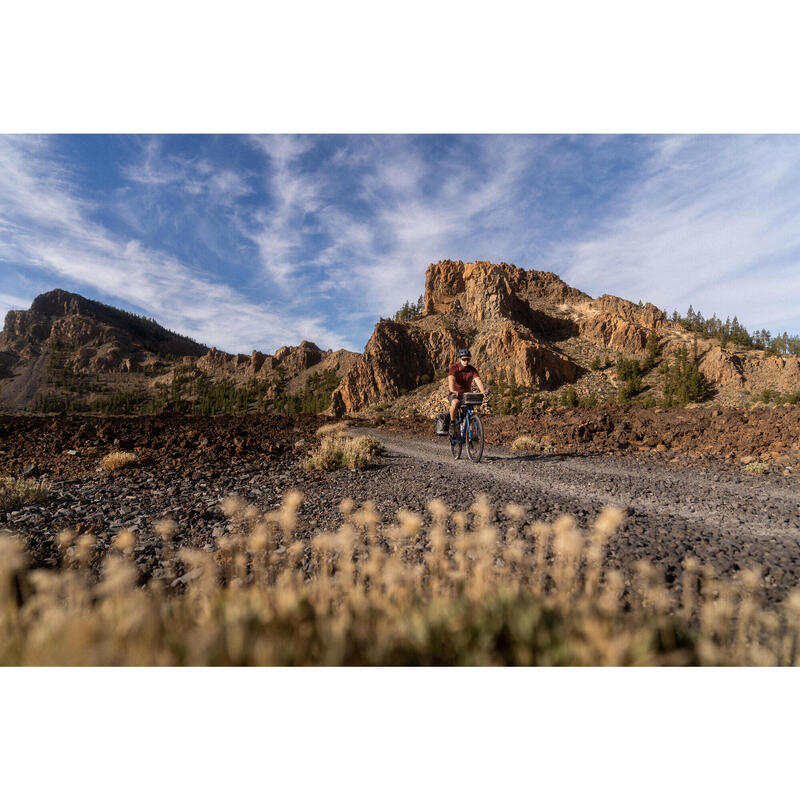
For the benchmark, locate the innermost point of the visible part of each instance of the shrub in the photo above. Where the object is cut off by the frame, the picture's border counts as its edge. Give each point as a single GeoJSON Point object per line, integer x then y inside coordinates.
{"type": "Point", "coordinates": [337, 451]}
{"type": "Point", "coordinates": [569, 397]}
{"type": "Point", "coordinates": [756, 467]}
{"type": "Point", "coordinates": [651, 351]}
{"type": "Point", "coordinates": [597, 363]}
{"type": "Point", "coordinates": [524, 442]}
{"type": "Point", "coordinates": [512, 405]}
{"type": "Point", "coordinates": [683, 381]}
{"type": "Point", "coordinates": [117, 460]}
{"type": "Point", "coordinates": [332, 428]}
{"type": "Point", "coordinates": [628, 370]}
{"type": "Point", "coordinates": [19, 492]}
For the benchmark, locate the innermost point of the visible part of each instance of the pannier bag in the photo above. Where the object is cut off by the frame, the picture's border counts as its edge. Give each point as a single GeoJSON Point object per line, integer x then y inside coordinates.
{"type": "Point", "coordinates": [442, 424]}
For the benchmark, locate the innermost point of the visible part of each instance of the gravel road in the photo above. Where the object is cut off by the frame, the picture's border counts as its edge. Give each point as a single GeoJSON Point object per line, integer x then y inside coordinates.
{"type": "Point", "coordinates": [719, 514]}
{"type": "Point", "coordinates": [712, 510]}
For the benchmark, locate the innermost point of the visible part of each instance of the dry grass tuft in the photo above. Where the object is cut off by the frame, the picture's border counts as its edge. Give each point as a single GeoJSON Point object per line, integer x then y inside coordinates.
{"type": "Point", "coordinates": [524, 443]}
{"type": "Point", "coordinates": [117, 460]}
{"type": "Point", "coordinates": [756, 467]}
{"type": "Point", "coordinates": [19, 492]}
{"type": "Point", "coordinates": [332, 429]}
{"type": "Point", "coordinates": [337, 451]}
{"type": "Point", "coordinates": [451, 588]}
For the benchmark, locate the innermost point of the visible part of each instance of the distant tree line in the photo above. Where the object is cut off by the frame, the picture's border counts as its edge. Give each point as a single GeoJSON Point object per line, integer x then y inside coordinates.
{"type": "Point", "coordinates": [733, 331]}
{"type": "Point", "coordinates": [193, 392]}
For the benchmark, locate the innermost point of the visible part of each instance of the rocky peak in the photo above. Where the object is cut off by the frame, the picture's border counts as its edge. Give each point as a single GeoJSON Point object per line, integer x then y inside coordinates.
{"type": "Point", "coordinates": [482, 290]}
{"type": "Point", "coordinates": [59, 303]}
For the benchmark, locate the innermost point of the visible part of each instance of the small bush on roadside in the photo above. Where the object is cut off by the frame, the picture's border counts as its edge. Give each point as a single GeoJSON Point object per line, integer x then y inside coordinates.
{"type": "Point", "coordinates": [756, 467]}
{"type": "Point", "coordinates": [19, 492]}
{"type": "Point", "coordinates": [117, 460]}
{"type": "Point", "coordinates": [524, 443]}
{"type": "Point", "coordinates": [331, 429]}
{"type": "Point", "coordinates": [337, 451]}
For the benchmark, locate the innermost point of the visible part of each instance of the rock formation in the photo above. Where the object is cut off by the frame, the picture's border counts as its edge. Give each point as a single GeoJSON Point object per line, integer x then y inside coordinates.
{"type": "Point", "coordinates": [533, 327]}
{"type": "Point", "coordinates": [69, 345]}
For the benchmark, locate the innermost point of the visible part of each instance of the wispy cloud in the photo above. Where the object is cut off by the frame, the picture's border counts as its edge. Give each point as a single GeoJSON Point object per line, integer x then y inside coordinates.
{"type": "Point", "coordinates": [56, 235]}
{"type": "Point", "coordinates": [278, 230]}
{"type": "Point", "coordinates": [261, 241]}
{"type": "Point", "coordinates": [712, 221]}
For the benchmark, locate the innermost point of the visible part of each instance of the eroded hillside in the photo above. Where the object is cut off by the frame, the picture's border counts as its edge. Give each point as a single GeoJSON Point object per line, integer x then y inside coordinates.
{"type": "Point", "coordinates": [530, 332]}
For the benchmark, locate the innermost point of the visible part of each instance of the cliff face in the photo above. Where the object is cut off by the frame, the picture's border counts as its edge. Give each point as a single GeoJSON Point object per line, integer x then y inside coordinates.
{"type": "Point", "coordinates": [511, 319]}
{"type": "Point", "coordinates": [532, 326]}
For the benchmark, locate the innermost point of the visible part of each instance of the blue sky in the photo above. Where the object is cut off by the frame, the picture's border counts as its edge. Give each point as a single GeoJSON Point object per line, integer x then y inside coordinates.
{"type": "Point", "coordinates": [247, 242]}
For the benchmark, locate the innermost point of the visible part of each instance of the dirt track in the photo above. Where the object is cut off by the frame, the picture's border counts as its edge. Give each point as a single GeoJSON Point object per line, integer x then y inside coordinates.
{"type": "Point", "coordinates": [718, 514]}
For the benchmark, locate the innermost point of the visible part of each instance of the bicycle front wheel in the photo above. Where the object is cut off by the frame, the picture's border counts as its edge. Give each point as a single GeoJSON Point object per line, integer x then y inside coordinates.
{"type": "Point", "coordinates": [475, 438]}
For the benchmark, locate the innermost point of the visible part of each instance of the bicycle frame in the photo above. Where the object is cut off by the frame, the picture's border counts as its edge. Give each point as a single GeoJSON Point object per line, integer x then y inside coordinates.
{"type": "Point", "coordinates": [464, 414]}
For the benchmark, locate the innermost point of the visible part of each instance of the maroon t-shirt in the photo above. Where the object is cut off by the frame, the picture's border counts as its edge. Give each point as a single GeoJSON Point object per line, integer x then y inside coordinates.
{"type": "Point", "coordinates": [463, 376]}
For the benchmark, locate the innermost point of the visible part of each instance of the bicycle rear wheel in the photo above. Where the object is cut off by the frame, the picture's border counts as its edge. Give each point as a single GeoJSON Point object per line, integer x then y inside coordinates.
{"type": "Point", "coordinates": [475, 438]}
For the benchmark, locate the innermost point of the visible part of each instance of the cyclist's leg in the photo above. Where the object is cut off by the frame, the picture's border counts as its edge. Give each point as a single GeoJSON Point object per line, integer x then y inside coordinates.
{"type": "Point", "coordinates": [455, 402]}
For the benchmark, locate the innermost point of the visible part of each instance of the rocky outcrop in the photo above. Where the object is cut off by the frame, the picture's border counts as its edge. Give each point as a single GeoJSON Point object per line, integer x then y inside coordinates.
{"type": "Point", "coordinates": [620, 325]}
{"type": "Point", "coordinates": [296, 359]}
{"type": "Point", "coordinates": [482, 290]}
{"type": "Point", "coordinates": [395, 358]}
{"type": "Point", "coordinates": [721, 367]}
{"type": "Point", "coordinates": [65, 342]}
{"type": "Point", "coordinates": [501, 312]}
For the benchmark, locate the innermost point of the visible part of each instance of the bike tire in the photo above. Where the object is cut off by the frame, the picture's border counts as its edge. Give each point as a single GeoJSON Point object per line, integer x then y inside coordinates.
{"type": "Point", "coordinates": [475, 438]}
{"type": "Point", "coordinates": [455, 447]}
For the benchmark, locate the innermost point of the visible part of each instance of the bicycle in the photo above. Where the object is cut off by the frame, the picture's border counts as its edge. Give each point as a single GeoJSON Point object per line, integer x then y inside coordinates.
{"type": "Point", "coordinates": [470, 428]}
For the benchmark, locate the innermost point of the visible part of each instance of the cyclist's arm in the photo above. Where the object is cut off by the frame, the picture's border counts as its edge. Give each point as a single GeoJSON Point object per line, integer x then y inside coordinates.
{"type": "Point", "coordinates": [481, 387]}
{"type": "Point", "coordinates": [451, 383]}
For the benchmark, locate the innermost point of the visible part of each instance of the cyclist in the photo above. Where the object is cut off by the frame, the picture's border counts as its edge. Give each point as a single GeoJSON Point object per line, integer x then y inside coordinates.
{"type": "Point", "coordinates": [459, 380]}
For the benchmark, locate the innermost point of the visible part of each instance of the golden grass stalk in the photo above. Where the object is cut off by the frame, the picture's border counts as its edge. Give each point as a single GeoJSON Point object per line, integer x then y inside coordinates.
{"type": "Point", "coordinates": [116, 460]}
{"type": "Point", "coordinates": [448, 588]}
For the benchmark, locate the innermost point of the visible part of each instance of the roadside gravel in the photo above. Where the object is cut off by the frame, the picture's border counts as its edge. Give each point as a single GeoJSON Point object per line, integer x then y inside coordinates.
{"type": "Point", "coordinates": [722, 516]}
{"type": "Point", "coordinates": [711, 510]}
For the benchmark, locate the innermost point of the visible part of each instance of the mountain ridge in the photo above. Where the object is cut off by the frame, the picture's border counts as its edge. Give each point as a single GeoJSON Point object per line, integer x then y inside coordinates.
{"type": "Point", "coordinates": [531, 334]}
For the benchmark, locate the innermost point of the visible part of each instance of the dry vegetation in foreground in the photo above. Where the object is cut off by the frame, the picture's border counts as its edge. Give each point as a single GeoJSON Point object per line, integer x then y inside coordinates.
{"type": "Point", "coordinates": [527, 443]}
{"type": "Point", "coordinates": [19, 492]}
{"type": "Point", "coordinates": [332, 429]}
{"type": "Point", "coordinates": [457, 591]}
{"type": "Point", "coordinates": [337, 450]}
{"type": "Point", "coordinates": [117, 460]}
